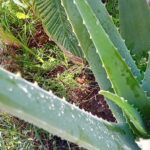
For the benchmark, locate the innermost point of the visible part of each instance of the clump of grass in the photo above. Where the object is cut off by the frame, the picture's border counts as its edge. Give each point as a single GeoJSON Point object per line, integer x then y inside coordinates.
{"type": "Point", "coordinates": [22, 27]}
{"type": "Point", "coordinates": [48, 74]}
{"type": "Point", "coordinates": [17, 134]}
{"type": "Point", "coordinates": [14, 133]}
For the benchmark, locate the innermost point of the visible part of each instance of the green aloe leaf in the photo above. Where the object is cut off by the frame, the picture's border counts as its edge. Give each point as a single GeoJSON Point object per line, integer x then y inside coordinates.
{"type": "Point", "coordinates": [132, 114]}
{"type": "Point", "coordinates": [121, 77]}
{"type": "Point", "coordinates": [30, 103]}
{"type": "Point", "coordinates": [90, 52]}
{"type": "Point", "coordinates": [146, 80]}
{"type": "Point", "coordinates": [56, 25]}
{"type": "Point", "coordinates": [135, 25]}
{"type": "Point", "coordinates": [109, 27]}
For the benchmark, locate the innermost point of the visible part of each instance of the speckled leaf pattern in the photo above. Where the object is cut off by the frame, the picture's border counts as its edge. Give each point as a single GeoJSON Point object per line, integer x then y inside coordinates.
{"type": "Point", "coordinates": [30, 103]}
{"type": "Point", "coordinates": [135, 25]}
{"type": "Point", "coordinates": [121, 77]}
{"type": "Point", "coordinates": [146, 80]}
{"type": "Point", "coordinates": [56, 25]}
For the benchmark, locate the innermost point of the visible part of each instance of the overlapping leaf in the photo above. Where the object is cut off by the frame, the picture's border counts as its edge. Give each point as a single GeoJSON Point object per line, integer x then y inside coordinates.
{"type": "Point", "coordinates": [121, 77]}
{"type": "Point", "coordinates": [45, 110]}
{"type": "Point", "coordinates": [132, 115]}
{"type": "Point", "coordinates": [56, 25]}
{"type": "Point", "coordinates": [90, 52]}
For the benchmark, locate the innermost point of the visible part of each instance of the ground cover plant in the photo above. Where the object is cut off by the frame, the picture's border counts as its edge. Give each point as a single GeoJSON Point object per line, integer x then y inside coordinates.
{"type": "Point", "coordinates": [86, 30]}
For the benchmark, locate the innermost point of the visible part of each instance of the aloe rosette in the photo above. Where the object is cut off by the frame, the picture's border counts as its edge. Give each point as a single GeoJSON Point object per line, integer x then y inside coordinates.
{"type": "Point", "coordinates": [85, 28]}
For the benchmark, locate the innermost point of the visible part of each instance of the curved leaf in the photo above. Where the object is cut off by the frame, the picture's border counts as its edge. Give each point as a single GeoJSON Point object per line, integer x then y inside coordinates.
{"type": "Point", "coordinates": [45, 110]}
{"type": "Point", "coordinates": [90, 52]}
{"type": "Point", "coordinates": [121, 77]}
{"type": "Point", "coordinates": [109, 27]}
{"type": "Point", "coordinates": [132, 114]}
{"type": "Point", "coordinates": [56, 25]}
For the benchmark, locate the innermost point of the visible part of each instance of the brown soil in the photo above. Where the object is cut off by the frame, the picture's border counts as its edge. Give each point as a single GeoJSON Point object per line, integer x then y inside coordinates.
{"type": "Point", "coordinates": [56, 71]}
{"type": "Point", "coordinates": [8, 58]}
{"type": "Point", "coordinates": [39, 39]}
{"type": "Point", "coordinates": [88, 98]}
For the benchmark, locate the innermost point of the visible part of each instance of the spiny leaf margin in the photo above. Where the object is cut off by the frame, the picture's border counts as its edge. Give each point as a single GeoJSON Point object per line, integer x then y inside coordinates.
{"type": "Point", "coordinates": [30, 103]}
{"type": "Point", "coordinates": [121, 77]}
{"type": "Point", "coordinates": [90, 52]}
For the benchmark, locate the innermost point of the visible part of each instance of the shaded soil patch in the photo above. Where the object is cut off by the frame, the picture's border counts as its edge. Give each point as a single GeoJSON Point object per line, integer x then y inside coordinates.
{"type": "Point", "coordinates": [88, 97]}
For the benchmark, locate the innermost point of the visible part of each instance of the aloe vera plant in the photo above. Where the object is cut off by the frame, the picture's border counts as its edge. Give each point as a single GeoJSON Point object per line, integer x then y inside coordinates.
{"type": "Point", "coordinates": [122, 78]}
{"type": "Point", "coordinates": [122, 84]}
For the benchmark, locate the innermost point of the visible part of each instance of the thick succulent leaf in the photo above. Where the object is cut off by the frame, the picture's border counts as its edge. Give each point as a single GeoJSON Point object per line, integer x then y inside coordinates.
{"type": "Point", "coordinates": [133, 115]}
{"type": "Point", "coordinates": [146, 80]}
{"type": "Point", "coordinates": [121, 77]}
{"type": "Point", "coordinates": [109, 27]}
{"type": "Point", "coordinates": [56, 25]}
{"type": "Point", "coordinates": [90, 52]}
{"type": "Point", "coordinates": [135, 25]}
{"type": "Point", "coordinates": [45, 110]}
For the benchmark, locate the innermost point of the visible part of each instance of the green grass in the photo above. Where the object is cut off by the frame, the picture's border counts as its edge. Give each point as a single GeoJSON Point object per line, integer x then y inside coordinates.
{"type": "Point", "coordinates": [14, 133]}
{"type": "Point", "coordinates": [53, 57]}
{"type": "Point", "coordinates": [112, 7]}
